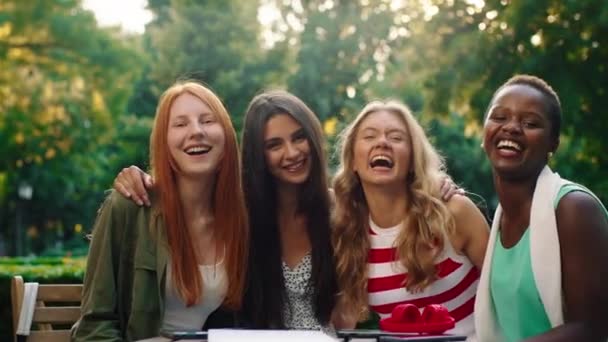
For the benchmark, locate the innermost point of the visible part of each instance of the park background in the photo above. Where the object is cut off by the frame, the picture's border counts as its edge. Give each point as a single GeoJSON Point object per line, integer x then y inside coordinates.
{"type": "Point", "coordinates": [77, 98]}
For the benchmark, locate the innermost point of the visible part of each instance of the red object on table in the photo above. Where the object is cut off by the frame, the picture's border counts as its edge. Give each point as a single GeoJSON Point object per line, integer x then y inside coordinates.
{"type": "Point", "coordinates": [406, 318]}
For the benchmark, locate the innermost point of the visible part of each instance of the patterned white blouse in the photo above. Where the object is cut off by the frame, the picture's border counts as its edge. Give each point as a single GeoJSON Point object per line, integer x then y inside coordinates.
{"type": "Point", "coordinates": [299, 311]}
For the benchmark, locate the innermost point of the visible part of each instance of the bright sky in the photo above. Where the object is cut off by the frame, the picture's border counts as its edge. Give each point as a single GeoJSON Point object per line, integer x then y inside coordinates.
{"type": "Point", "coordinates": [130, 14]}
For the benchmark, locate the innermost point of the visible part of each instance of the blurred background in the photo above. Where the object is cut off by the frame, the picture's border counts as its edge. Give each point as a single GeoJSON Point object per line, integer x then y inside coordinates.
{"type": "Point", "coordinates": [79, 83]}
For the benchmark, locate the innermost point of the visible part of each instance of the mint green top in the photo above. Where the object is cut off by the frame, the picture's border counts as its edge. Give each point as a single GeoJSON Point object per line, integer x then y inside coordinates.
{"type": "Point", "coordinates": [519, 310]}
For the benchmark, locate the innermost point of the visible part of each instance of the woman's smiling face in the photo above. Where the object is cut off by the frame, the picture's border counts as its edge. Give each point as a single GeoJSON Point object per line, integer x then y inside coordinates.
{"type": "Point", "coordinates": [287, 150]}
{"type": "Point", "coordinates": [518, 132]}
{"type": "Point", "coordinates": [382, 149]}
{"type": "Point", "coordinates": [195, 136]}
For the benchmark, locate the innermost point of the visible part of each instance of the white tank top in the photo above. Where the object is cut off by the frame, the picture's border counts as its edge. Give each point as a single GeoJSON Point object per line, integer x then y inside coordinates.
{"type": "Point", "coordinates": [178, 316]}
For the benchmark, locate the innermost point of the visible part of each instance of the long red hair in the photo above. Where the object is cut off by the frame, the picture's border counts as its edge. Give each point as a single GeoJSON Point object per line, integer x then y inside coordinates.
{"type": "Point", "coordinates": [230, 215]}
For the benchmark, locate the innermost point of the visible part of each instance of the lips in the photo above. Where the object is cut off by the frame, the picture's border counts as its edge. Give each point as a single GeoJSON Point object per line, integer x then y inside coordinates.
{"type": "Point", "coordinates": [509, 148]}
{"type": "Point", "coordinates": [509, 144]}
{"type": "Point", "coordinates": [197, 150]}
{"type": "Point", "coordinates": [295, 166]}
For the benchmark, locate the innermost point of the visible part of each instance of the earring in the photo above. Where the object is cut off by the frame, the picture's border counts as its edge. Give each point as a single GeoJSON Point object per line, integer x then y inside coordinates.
{"type": "Point", "coordinates": [481, 145]}
{"type": "Point", "coordinates": [549, 155]}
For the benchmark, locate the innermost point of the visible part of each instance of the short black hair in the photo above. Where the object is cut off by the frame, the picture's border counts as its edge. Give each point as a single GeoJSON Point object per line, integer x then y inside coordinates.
{"type": "Point", "coordinates": [552, 102]}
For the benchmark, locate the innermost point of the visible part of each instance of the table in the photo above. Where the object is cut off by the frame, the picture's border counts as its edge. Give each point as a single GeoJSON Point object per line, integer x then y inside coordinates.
{"type": "Point", "coordinates": [351, 335]}
{"type": "Point", "coordinates": [384, 336]}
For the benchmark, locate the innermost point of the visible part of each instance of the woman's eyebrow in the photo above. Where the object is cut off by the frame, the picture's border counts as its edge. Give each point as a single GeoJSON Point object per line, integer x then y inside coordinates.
{"type": "Point", "coordinates": [297, 132]}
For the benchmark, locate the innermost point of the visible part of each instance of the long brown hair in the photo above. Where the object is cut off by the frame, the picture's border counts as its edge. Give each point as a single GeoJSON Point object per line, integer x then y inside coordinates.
{"type": "Point", "coordinates": [229, 211]}
{"type": "Point", "coordinates": [428, 219]}
{"type": "Point", "coordinates": [266, 294]}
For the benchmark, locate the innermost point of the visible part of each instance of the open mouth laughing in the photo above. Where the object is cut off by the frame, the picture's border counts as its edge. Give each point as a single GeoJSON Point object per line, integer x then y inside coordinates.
{"type": "Point", "coordinates": [509, 148]}
{"type": "Point", "coordinates": [381, 161]}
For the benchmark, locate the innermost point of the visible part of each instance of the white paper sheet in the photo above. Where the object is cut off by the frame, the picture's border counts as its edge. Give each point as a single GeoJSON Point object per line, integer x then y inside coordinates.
{"type": "Point", "coordinates": [237, 335]}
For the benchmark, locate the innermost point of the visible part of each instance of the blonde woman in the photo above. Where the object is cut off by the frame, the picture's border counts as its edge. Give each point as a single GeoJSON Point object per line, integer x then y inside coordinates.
{"type": "Point", "coordinates": [395, 240]}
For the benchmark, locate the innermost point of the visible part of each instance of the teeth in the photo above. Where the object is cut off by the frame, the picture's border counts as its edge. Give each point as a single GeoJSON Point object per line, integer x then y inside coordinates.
{"type": "Point", "coordinates": [197, 149]}
{"type": "Point", "coordinates": [295, 166]}
{"type": "Point", "coordinates": [509, 143]}
{"type": "Point", "coordinates": [381, 157]}
{"type": "Point", "coordinates": [381, 160]}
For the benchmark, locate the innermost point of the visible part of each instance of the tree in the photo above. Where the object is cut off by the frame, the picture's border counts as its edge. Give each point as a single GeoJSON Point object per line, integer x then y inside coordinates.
{"type": "Point", "coordinates": [565, 43]}
{"type": "Point", "coordinates": [62, 82]}
{"type": "Point", "coordinates": [217, 43]}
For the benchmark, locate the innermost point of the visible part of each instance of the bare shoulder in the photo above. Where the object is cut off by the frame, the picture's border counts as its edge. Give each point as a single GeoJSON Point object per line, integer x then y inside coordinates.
{"type": "Point", "coordinates": [580, 213]}
{"type": "Point", "coordinates": [471, 231]}
{"type": "Point", "coordinates": [578, 203]}
{"type": "Point", "coordinates": [469, 221]}
{"type": "Point", "coordinates": [461, 205]}
{"type": "Point", "coordinates": [466, 215]}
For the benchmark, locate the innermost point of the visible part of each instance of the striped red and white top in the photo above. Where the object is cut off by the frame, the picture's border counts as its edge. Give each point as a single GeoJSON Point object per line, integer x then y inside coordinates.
{"type": "Point", "coordinates": [455, 288]}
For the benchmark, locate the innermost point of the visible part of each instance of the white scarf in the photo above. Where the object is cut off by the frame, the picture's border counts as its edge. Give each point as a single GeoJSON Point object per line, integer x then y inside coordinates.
{"type": "Point", "coordinates": [544, 253]}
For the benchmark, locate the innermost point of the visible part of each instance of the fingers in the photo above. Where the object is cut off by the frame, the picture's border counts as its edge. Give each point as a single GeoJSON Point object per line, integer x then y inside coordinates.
{"type": "Point", "coordinates": [121, 188]}
{"type": "Point", "coordinates": [446, 188]}
{"type": "Point", "coordinates": [449, 189]}
{"type": "Point", "coordinates": [452, 190]}
{"type": "Point", "coordinates": [137, 179]}
{"type": "Point", "coordinates": [148, 181]}
{"type": "Point", "coordinates": [130, 183]}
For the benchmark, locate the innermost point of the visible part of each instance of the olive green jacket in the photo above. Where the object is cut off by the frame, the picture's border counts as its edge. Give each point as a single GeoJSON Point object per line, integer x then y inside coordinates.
{"type": "Point", "coordinates": [123, 296]}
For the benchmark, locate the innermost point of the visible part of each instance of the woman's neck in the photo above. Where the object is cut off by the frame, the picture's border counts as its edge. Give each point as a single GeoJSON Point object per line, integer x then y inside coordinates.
{"type": "Point", "coordinates": [287, 200]}
{"type": "Point", "coordinates": [196, 196]}
{"type": "Point", "coordinates": [387, 206]}
{"type": "Point", "coordinates": [515, 196]}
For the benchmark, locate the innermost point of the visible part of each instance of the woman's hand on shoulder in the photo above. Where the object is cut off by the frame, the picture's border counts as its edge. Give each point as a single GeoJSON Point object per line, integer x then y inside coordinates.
{"type": "Point", "coordinates": [133, 183]}
{"type": "Point", "coordinates": [449, 189]}
{"type": "Point", "coordinates": [471, 229]}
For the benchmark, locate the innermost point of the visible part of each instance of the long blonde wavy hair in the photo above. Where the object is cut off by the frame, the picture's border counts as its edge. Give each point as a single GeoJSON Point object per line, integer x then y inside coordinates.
{"type": "Point", "coordinates": [427, 220]}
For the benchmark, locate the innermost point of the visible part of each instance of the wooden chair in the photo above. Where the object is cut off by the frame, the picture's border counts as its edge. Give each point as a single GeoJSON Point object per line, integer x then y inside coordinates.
{"type": "Point", "coordinates": [54, 306]}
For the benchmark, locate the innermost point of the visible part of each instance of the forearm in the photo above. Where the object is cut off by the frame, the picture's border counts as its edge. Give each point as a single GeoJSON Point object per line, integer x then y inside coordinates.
{"type": "Point", "coordinates": [340, 321]}
{"type": "Point", "coordinates": [573, 331]}
{"type": "Point", "coordinates": [96, 327]}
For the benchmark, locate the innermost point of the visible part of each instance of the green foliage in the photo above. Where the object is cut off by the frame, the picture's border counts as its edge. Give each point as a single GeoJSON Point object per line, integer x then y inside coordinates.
{"type": "Point", "coordinates": [341, 49]}
{"type": "Point", "coordinates": [566, 43]}
{"type": "Point", "coordinates": [62, 82]}
{"type": "Point", "coordinates": [77, 101]}
{"type": "Point", "coordinates": [461, 153]}
{"type": "Point", "coordinates": [216, 43]}
{"type": "Point", "coordinates": [41, 270]}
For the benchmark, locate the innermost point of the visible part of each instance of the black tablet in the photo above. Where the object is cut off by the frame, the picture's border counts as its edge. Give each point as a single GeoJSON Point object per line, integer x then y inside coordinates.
{"type": "Point", "coordinates": [175, 335]}
{"type": "Point", "coordinates": [422, 338]}
{"type": "Point", "coordinates": [379, 335]}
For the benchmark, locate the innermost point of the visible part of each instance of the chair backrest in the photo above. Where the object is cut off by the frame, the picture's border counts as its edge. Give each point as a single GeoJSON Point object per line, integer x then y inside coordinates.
{"type": "Point", "coordinates": [57, 308]}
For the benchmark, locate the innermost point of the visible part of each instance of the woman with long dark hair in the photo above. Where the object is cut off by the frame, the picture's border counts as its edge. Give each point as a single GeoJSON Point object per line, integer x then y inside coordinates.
{"type": "Point", "coordinates": [291, 279]}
